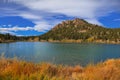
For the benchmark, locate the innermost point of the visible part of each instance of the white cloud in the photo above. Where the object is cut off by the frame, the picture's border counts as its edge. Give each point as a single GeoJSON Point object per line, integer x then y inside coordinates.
{"type": "Point", "coordinates": [3, 32]}
{"type": "Point", "coordinates": [80, 8]}
{"type": "Point", "coordinates": [40, 27]}
{"type": "Point", "coordinates": [94, 21]}
{"type": "Point", "coordinates": [4, 25]}
{"type": "Point", "coordinates": [37, 10]}
{"type": "Point", "coordinates": [90, 9]}
{"type": "Point", "coordinates": [16, 28]}
{"type": "Point", "coordinates": [9, 25]}
{"type": "Point", "coordinates": [116, 20]}
{"type": "Point", "coordinates": [30, 16]}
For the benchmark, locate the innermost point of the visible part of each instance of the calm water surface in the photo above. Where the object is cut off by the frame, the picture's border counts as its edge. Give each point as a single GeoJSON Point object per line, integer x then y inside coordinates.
{"type": "Point", "coordinates": [60, 53]}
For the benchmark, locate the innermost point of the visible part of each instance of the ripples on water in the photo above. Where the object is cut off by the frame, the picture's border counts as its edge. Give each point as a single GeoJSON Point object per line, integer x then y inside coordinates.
{"type": "Point", "coordinates": [61, 53]}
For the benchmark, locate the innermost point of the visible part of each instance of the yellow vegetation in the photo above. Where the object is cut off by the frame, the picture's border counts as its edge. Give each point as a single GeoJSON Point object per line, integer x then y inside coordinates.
{"type": "Point", "coordinates": [21, 70]}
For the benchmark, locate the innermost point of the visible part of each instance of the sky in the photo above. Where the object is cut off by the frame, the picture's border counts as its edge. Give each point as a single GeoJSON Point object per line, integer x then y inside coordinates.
{"type": "Point", "coordinates": [36, 17]}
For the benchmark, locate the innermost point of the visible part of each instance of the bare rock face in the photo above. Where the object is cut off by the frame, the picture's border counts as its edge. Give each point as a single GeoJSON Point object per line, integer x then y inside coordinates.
{"type": "Point", "coordinates": [75, 23]}
{"type": "Point", "coordinates": [79, 21]}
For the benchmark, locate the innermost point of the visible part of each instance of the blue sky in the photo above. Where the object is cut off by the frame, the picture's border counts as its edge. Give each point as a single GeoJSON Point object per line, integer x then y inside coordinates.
{"type": "Point", "coordinates": [35, 17]}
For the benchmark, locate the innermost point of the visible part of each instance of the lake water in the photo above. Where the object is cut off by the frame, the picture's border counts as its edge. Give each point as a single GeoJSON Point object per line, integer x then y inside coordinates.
{"type": "Point", "coordinates": [60, 53]}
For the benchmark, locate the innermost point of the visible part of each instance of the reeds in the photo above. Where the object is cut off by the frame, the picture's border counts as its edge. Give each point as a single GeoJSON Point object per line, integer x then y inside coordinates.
{"type": "Point", "coordinates": [13, 69]}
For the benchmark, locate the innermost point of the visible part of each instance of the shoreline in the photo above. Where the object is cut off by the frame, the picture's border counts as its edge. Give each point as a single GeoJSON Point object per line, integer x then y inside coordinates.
{"type": "Point", "coordinates": [79, 41]}
{"type": "Point", "coordinates": [94, 42]}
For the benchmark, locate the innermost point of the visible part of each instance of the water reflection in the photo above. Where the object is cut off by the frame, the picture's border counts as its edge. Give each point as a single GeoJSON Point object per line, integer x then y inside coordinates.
{"type": "Point", "coordinates": [60, 53]}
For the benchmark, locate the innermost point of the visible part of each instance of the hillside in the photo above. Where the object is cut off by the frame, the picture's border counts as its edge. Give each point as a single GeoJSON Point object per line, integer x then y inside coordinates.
{"type": "Point", "coordinates": [79, 30]}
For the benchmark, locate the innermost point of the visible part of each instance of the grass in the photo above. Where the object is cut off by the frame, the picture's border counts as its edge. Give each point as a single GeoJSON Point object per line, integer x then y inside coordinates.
{"type": "Point", "coordinates": [13, 69]}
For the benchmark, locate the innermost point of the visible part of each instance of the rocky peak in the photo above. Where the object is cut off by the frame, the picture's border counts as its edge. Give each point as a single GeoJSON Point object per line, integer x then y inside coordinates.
{"type": "Point", "coordinates": [76, 22]}
{"type": "Point", "coordinates": [79, 21]}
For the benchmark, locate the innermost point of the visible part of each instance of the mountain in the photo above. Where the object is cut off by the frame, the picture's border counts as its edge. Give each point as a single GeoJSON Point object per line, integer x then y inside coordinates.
{"type": "Point", "coordinates": [79, 30]}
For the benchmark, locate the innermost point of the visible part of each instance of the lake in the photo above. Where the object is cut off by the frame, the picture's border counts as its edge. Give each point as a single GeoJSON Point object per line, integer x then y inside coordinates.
{"type": "Point", "coordinates": [60, 53]}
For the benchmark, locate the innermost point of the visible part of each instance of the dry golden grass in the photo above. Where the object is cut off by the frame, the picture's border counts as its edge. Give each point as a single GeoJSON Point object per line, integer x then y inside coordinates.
{"type": "Point", "coordinates": [21, 70]}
